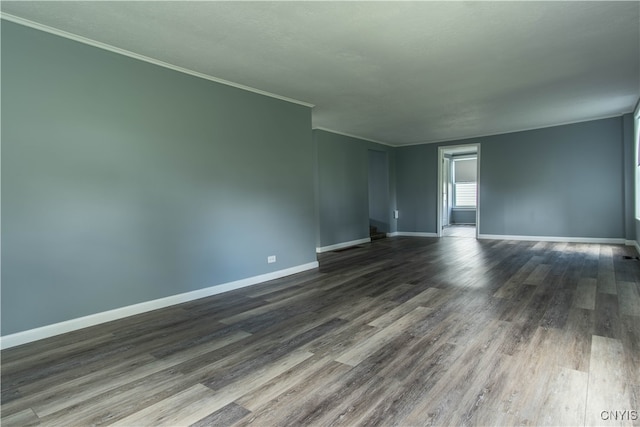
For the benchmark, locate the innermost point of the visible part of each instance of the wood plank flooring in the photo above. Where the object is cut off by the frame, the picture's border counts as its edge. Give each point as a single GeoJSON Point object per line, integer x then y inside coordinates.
{"type": "Point", "coordinates": [402, 331]}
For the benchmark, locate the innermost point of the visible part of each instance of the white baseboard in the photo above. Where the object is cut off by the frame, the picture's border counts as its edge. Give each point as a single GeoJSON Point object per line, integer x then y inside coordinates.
{"type": "Point", "coordinates": [24, 337]}
{"type": "Point", "coordinates": [413, 234]}
{"type": "Point", "coordinates": [633, 243]}
{"type": "Point", "coordinates": [600, 240]}
{"type": "Point", "coordinates": [342, 245]}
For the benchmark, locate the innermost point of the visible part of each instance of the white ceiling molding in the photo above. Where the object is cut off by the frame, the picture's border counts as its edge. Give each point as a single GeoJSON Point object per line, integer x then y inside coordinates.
{"type": "Point", "coordinates": [352, 136]}
{"type": "Point", "coordinates": [471, 139]}
{"type": "Point", "coordinates": [402, 73]}
{"type": "Point", "coordinates": [104, 46]}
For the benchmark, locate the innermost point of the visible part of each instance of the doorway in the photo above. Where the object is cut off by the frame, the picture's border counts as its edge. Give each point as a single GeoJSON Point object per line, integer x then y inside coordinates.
{"type": "Point", "coordinates": [458, 184]}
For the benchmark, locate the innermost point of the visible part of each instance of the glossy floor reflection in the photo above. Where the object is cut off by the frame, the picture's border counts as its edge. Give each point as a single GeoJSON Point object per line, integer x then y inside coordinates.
{"type": "Point", "coordinates": [401, 331]}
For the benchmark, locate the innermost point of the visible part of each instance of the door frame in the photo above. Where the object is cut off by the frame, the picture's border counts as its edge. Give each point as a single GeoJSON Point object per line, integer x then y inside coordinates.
{"type": "Point", "coordinates": [441, 152]}
{"type": "Point", "coordinates": [445, 183]}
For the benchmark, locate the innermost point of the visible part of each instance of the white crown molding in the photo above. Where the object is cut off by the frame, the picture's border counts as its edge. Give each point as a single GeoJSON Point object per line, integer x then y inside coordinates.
{"type": "Point", "coordinates": [558, 239]}
{"type": "Point", "coordinates": [352, 136]}
{"type": "Point", "coordinates": [47, 331]}
{"type": "Point", "coordinates": [470, 138]}
{"type": "Point", "coordinates": [124, 52]}
{"type": "Point", "coordinates": [342, 245]}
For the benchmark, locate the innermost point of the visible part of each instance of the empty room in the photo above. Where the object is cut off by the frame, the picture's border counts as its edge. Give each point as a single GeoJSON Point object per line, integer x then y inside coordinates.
{"type": "Point", "coordinates": [320, 213]}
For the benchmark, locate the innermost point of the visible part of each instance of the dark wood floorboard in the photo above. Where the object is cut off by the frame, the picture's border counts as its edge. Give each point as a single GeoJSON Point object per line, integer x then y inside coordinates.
{"type": "Point", "coordinates": [401, 331]}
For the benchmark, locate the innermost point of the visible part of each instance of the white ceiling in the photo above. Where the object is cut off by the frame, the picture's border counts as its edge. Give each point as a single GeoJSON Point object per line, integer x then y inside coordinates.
{"type": "Point", "coordinates": [395, 72]}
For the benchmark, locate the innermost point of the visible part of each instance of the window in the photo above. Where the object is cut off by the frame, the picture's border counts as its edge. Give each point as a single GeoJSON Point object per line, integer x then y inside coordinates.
{"type": "Point", "coordinates": [464, 182]}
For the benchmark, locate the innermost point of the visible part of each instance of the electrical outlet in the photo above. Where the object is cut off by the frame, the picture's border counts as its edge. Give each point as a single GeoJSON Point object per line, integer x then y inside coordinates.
{"type": "Point", "coordinates": [271, 259]}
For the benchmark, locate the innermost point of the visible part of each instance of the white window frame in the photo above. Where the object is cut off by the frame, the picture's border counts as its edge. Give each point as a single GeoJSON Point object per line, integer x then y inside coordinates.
{"type": "Point", "coordinates": [454, 183]}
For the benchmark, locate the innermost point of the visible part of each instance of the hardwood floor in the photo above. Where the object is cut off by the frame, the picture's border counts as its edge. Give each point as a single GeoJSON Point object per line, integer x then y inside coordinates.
{"type": "Point", "coordinates": [402, 331]}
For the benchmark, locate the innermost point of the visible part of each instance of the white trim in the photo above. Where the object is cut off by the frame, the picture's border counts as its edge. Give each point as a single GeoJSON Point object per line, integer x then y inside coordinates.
{"type": "Point", "coordinates": [414, 234]}
{"type": "Point", "coordinates": [461, 139]}
{"type": "Point", "coordinates": [342, 245]}
{"type": "Point", "coordinates": [601, 240]}
{"type": "Point", "coordinates": [633, 243]}
{"type": "Point", "coordinates": [104, 46]}
{"type": "Point", "coordinates": [24, 337]}
{"type": "Point", "coordinates": [353, 136]}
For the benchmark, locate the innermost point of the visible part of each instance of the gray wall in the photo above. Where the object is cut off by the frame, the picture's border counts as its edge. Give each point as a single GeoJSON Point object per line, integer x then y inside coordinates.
{"type": "Point", "coordinates": [417, 184]}
{"type": "Point", "coordinates": [342, 187]}
{"type": "Point", "coordinates": [565, 181]}
{"type": "Point", "coordinates": [378, 174]}
{"type": "Point", "coordinates": [124, 182]}
{"type": "Point", "coordinates": [629, 166]}
{"type": "Point", "coordinates": [562, 181]}
{"type": "Point", "coordinates": [463, 216]}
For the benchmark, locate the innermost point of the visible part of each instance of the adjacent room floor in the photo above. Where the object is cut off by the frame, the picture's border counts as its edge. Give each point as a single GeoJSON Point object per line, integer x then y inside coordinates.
{"type": "Point", "coordinates": [402, 331]}
{"type": "Point", "coordinates": [459, 230]}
